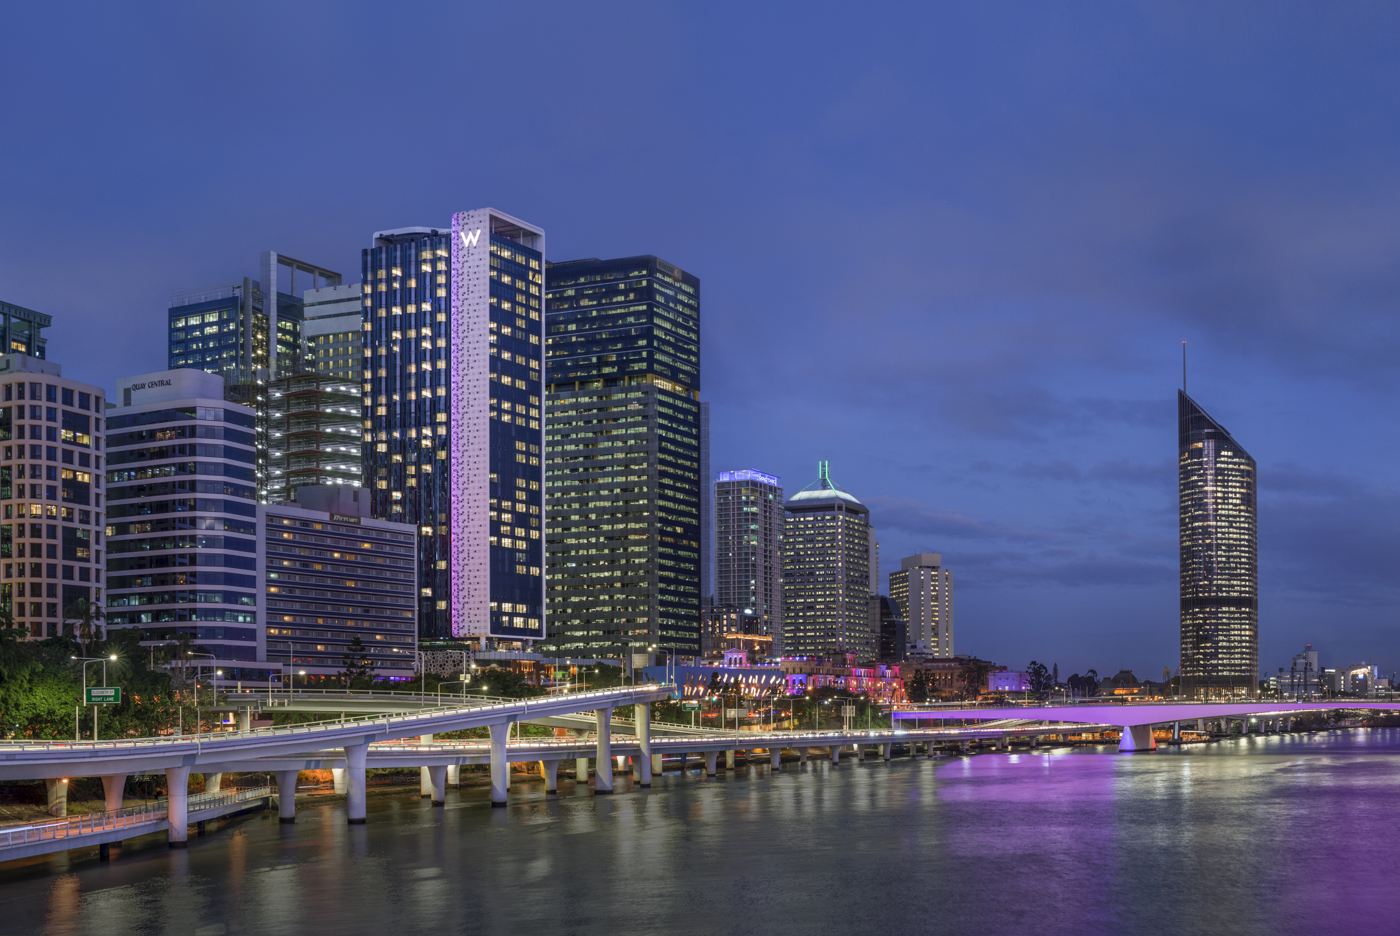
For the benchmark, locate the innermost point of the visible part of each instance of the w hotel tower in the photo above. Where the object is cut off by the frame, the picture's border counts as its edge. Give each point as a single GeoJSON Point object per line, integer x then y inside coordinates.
{"type": "Point", "coordinates": [453, 354]}
{"type": "Point", "coordinates": [1219, 559]}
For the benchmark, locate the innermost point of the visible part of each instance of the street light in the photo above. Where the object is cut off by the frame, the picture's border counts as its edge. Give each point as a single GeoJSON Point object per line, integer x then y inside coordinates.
{"type": "Point", "coordinates": [85, 662]}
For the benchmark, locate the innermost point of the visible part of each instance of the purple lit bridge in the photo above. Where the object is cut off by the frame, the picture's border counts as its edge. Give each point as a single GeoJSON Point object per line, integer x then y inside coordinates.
{"type": "Point", "coordinates": [1137, 719]}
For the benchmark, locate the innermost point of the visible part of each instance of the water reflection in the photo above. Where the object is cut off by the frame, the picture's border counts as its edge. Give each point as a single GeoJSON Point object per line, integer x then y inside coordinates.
{"type": "Point", "coordinates": [1272, 835]}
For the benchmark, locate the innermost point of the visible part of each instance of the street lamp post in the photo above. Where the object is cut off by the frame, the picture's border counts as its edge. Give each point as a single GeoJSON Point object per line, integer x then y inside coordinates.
{"type": "Point", "coordinates": [85, 662]}
{"type": "Point", "coordinates": [198, 671]}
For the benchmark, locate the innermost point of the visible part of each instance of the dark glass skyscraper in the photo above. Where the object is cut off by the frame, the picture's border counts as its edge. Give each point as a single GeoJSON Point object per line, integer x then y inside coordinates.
{"type": "Point", "coordinates": [453, 347]}
{"type": "Point", "coordinates": [1219, 559]}
{"type": "Point", "coordinates": [624, 457]}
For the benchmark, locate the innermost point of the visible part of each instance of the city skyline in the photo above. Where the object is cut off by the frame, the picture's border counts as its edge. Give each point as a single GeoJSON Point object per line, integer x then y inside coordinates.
{"type": "Point", "coordinates": [955, 365]}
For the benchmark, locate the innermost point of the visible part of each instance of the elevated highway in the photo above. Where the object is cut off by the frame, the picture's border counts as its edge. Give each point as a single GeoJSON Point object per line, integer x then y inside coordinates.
{"type": "Point", "coordinates": [1136, 720]}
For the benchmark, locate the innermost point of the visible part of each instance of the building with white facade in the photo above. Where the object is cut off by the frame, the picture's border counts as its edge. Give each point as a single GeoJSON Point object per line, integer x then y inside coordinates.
{"type": "Point", "coordinates": [923, 590]}
{"type": "Point", "coordinates": [748, 523]}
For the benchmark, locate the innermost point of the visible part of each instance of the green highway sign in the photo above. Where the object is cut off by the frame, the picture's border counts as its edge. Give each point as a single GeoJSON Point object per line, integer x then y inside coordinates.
{"type": "Point", "coordinates": [102, 695]}
{"type": "Point", "coordinates": [690, 706]}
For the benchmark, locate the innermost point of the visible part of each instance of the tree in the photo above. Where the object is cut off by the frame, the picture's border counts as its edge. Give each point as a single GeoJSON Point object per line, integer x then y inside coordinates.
{"type": "Point", "coordinates": [920, 687]}
{"type": "Point", "coordinates": [974, 675]}
{"type": "Point", "coordinates": [1040, 679]}
{"type": "Point", "coordinates": [82, 616]}
{"type": "Point", "coordinates": [357, 669]}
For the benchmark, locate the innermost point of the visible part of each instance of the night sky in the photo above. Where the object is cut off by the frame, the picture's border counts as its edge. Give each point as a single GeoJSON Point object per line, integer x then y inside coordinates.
{"type": "Point", "coordinates": [954, 249]}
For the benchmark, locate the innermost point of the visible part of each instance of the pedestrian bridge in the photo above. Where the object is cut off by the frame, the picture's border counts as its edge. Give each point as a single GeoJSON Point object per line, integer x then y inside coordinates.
{"type": "Point", "coordinates": [1137, 719]}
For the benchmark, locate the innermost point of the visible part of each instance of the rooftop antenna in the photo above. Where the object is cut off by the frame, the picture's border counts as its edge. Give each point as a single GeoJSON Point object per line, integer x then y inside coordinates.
{"type": "Point", "coordinates": [823, 471]}
{"type": "Point", "coordinates": [1183, 367]}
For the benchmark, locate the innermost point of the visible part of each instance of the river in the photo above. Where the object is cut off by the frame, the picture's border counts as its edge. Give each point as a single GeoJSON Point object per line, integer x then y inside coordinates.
{"type": "Point", "coordinates": [1276, 835]}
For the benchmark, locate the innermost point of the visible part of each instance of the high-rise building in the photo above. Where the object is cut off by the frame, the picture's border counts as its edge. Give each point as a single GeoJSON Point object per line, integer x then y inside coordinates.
{"type": "Point", "coordinates": [21, 330]}
{"type": "Point", "coordinates": [332, 330]}
{"type": "Point", "coordinates": [707, 509]}
{"type": "Point", "coordinates": [182, 521]}
{"type": "Point", "coordinates": [313, 433]}
{"type": "Point", "coordinates": [223, 329]}
{"type": "Point", "coordinates": [51, 486]}
{"type": "Point", "coordinates": [332, 573]}
{"type": "Point", "coordinates": [451, 418]}
{"type": "Point", "coordinates": [749, 547]}
{"type": "Point", "coordinates": [1219, 558]}
{"type": "Point", "coordinates": [923, 592]}
{"type": "Point", "coordinates": [886, 621]}
{"type": "Point", "coordinates": [624, 453]}
{"type": "Point", "coordinates": [826, 572]}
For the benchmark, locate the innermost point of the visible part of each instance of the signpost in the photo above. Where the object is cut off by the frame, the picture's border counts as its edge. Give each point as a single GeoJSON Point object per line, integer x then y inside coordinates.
{"type": "Point", "coordinates": [102, 695]}
{"type": "Point", "coordinates": [690, 706]}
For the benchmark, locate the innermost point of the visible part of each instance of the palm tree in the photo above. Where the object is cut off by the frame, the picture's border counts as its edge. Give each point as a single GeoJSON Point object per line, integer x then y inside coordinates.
{"type": "Point", "coordinates": [84, 616]}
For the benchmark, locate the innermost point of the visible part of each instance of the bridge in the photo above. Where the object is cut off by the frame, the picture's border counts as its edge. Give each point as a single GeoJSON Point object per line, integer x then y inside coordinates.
{"type": "Point", "coordinates": [1136, 720]}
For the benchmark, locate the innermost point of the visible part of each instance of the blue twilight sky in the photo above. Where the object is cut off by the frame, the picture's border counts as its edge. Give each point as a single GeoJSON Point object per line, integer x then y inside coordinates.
{"type": "Point", "coordinates": [953, 248]}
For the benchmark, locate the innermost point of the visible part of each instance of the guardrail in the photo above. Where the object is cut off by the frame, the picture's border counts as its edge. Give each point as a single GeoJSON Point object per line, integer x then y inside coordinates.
{"type": "Point", "coordinates": [122, 818]}
{"type": "Point", "coordinates": [313, 727]}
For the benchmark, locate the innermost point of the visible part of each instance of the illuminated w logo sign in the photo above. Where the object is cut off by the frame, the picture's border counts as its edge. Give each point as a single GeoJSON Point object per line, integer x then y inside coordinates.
{"type": "Point", "coordinates": [469, 240]}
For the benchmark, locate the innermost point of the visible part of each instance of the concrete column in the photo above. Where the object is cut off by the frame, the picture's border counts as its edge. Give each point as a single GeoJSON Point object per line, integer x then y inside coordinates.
{"type": "Point", "coordinates": [581, 770]}
{"type": "Point", "coordinates": [802, 755]}
{"type": "Point", "coordinates": [438, 775]}
{"type": "Point", "coordinates": [860, 753]}
{"type": "Point", "coordinates": [657, 765]}
{"type": "Point", "coordinates": [728, 760]}
{"type": "Point", "coordinates": [775, 758]}
{"type": "Point", "coordinates": [1176, 731]}
{"type": "Point", "coordinates": [622, 762]}
{"type": "Point", "coordinates": [684, 758]}
{"type": "Point", "coordinates": [835, 752]}
{"type": "Point", "coordinates": [1002, 743]}
{"type": "Point", "coordinates": [1034, 739]}
{"type": "Point", "coordinates": [425, 781]}
{"type": "Point", "coordinates": [604, 781]}
{"type": "Point", "coordinates": [245, 719]}
{"type": "Point", "coordinates": [338, 780]}
{"type": "Point", "coordinates": [177, 780]}
{"type": "Point", "coordinates": [213, 782]}
{"type": "Point", "coordinates": [454, 775]}
{"type": "Point", "coordinates": [355, 783]}
{"type": "Point", "coordinates": [645, 760]}
{"type": "Point", "coordinates": [963, 745]}
{"type": "Point", "coordinates": [549, 769]}
{"type": "Point", "coordinates": [114, 791]}
{"type": "Point", "coordinates": [885, 750]}
{"type": "Point", "coordinates": [711, 758]}
{"type": "Point", "coordinates": [1137, 738]}
{"type": "Point", "coordinates": [57, 796]}
{"type": "Point", "coordinates": [287, 795]}
{"type": "Point", "coordinates": [500, 767]}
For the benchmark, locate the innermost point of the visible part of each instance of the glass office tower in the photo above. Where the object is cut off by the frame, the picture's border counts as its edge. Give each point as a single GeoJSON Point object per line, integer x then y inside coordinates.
{"type": "Point", "coordinates": [453, 355]}
{"type": "Point", "coordinates": [1219, 559]}
{"type": "Point", "coordinates": [748, 548]}
{"type": "Point", "coordinates": [624, 469]}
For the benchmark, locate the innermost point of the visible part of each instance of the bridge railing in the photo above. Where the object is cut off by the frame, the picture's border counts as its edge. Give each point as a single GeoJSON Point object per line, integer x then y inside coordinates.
{"type": "Point", "coordinates": [11, 836]}
{"type": "Point", "coordinates": [317, 726]}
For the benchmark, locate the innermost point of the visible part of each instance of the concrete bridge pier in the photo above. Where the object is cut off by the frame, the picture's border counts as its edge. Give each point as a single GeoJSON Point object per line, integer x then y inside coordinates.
{"type": "Point", "coordinates": [355, 783]}
{"type": "Point", "coordinates": [711, 758]}
{"type": "Point", "coordinates": [728, 760]}
{"type": "Point", "coordinates": [114, 791]}
{"type": "Point", "coordinates": [177, 781]}
{"type": "Point", "coordinates": [245, 719]}
{"type": "Point", "coordinates": [57, 790]}
{"type": "Point", "coordinates": [1176, 731]}
{"type": "Point", "coordinates": [604, 781]}
{"type": "Point", "coordinates": [338, 780]}
{"type": "Point", "coordinates": [1034, 739]}
{"type": "Point", "coordinates": [549, 769]}
{"type": "Point", "coordinates": [963, 745]}
{"type": "Point", "coordinates": [438, 777]}
{"type": "Point", "coordinates": [835, 751]}
{"type": "Point", "coordinates": [860, 753]}
{"type": "Point", "coordinates": [645, 761]}
{"type": "Point", "coordinates": [212, 782]}
{"type": "Point", "coordinates": [684, 757]}
{"type": "Point", "coordinates": [287, 795]}
{"type": "Point", "coordinates": [802, 755]}
{"type": "Point", "coordinates": [657, 765]}
{"type": "Point", "coordinates": [581, 770]}
{"type": "Point", "coordinates": [885, 751]}
{"type": "Point", "coordinates": [775, 758]}
{"type": "Point", "coordinates": [454, 775]}
{"type": "Point", "coordinates": [624, 763]}
{"type": "Point", "coordinates": [425, 781]}
{"type": "Point", "coordinates": [500, 767]}
{"type": "Point", "coordinates": [1136, 738]}
{"type": "Point", "coordinates": [1002, 743]}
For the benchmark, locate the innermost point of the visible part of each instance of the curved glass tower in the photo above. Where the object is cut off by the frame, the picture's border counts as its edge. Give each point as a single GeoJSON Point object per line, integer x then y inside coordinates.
{"type": "Point", "coordinates": [1219, 559]}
